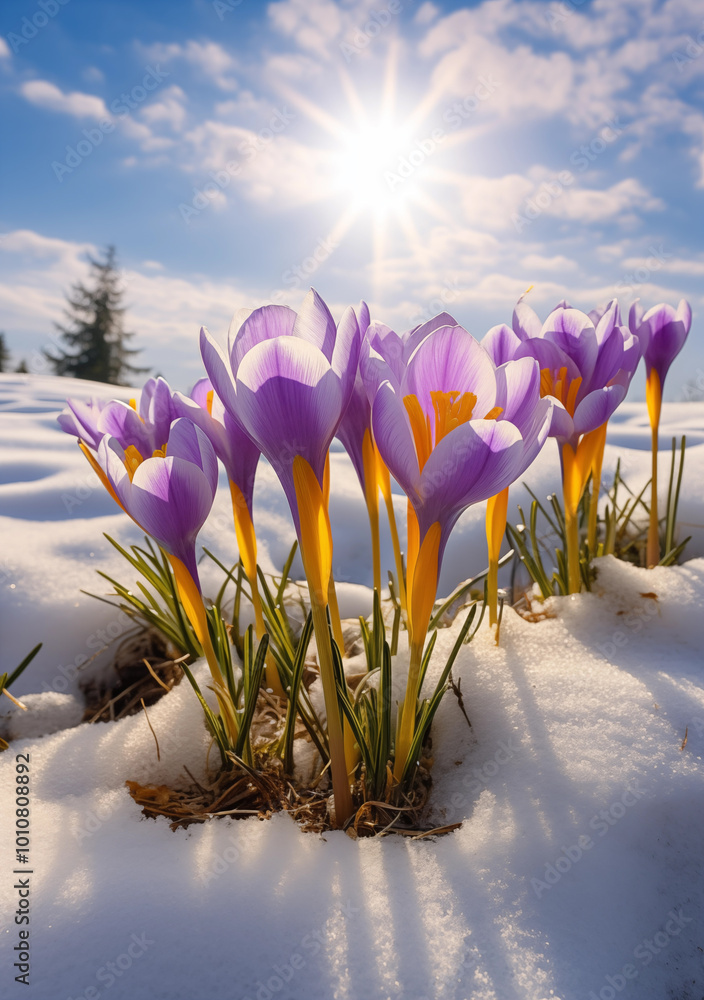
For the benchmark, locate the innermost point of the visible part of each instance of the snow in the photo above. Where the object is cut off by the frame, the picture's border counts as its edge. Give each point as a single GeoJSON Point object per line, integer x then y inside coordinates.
{"type": "Point", "coordinates": [576, 871]}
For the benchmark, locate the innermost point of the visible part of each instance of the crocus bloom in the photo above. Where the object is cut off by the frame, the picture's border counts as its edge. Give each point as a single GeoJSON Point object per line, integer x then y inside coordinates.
{"type": "Point", "coordinates": [169, 496]}
{"type": "Point", "coordinates": [355, 433]}
{"type": "Point", "coordinates": [437, 431]}
{"type": "Point", "coordinates": [663, 331]}
{"type": "Point", "coordinates": [395, 350]}
{"type": "Point", "coordinates": [587, 370]}
{"type": "Point", "coordinates": [145, 427]}
{"type": "Point", "coordinates": [288, 377]}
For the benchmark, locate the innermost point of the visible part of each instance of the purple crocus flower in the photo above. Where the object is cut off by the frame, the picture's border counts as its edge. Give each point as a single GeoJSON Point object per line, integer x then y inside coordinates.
{"type": "Point", "coordinates": [663, 331]}
{"type": "Point", "coordinates": [437, 431]}
{"type": "Point", "coordinates": [587, 370]}
{"type": "Point", "coordinates": [233, 446]}
{"type": "Point", "coordinates": [168, 496]}
{"type": "Point", "coordinates": [355, 433]}
{"type": "Point", "coordinates": [289, 377]}
{"type": "Point", "coordinates": [145, 427]}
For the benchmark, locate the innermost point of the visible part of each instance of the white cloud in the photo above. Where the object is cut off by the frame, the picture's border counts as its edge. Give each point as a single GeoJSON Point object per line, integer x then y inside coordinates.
{"type": "Point", "coordinates": [4, 49]}
{"type": "Point", "coordinates": [47, 95]}
{"type": "Point", "coordinates": [536, 262]}
{"type": "Point", "coordinates": [210, 59]}
{"type": "Point", "coordinates": [314, 24]}
{"type": "Point", "coordinates": [426, 13]}
{"type": "Point", "coordinates": [169, 109]}
{"type": "Point", "coordinates": [275, 170]}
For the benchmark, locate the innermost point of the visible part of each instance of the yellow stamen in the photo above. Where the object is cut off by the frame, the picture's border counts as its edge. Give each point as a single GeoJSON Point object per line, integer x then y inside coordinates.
{"type": "Point", "coordinates": [494, 412]}
{"type": "Point", "coordinates": [451, 410]}
{"type": "Point", "coordinates": [133, 404]}
{"type": "Point", "coordinates": [133, 460]}
{"type": "Point", "coordinates": [420, 426]}
{"type": "Point", "coordinates": [559, 385]}
{"type": "Point", "coordinates": [209, 401]}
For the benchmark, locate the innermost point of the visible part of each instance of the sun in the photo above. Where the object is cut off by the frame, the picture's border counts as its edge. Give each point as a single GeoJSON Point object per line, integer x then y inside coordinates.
{"type": "Point", "coordinates": [381, 164]}
{"type": "Point", "coordinates": [369, 167]}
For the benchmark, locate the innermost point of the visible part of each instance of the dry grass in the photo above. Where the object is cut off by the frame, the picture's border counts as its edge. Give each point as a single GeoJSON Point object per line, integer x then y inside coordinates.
{"type": "Point", "coordinates": [134, 684]}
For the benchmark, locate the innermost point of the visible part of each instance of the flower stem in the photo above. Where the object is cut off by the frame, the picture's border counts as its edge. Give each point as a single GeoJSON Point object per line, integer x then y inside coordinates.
{"type": "Point", "coordinates": [407, 712]}
{"type": "Point", "coordinates": [496, 510]}
{"type": "Point", "coordinates": [597, 463]}
{"type": "Point", "coordinates": [247, 544]}
{"type": "Point", "coordinates": [574, 578]}
{"type": "Point", "coordinates": [336, 742]}
{"type": "Point", "coordinates": [653, 552]}
{"type": "Point", "coordinates": [335, 616]}
{"type": "Point", "coordinates": [385, 484]}
{"type": "Point", "coordinates": [653, 397]}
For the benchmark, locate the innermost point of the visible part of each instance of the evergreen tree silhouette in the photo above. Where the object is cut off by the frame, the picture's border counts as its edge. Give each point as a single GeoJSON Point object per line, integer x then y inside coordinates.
{"type": "Point", "coordinates": [95, 335]}
{"type": "Point", "coordinates": [4, 354]}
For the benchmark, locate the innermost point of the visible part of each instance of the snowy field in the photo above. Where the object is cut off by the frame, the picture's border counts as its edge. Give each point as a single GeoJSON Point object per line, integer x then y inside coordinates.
{"type": "Point", "coordinates": [576, 873]}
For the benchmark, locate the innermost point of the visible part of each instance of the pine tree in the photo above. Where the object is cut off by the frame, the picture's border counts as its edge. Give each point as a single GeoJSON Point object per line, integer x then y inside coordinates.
{"type": "Point", "coordinates": [96, 337]}
{"type": "Point", "coordinates": [4, 354]}
{"type": "Point", "coordinates": [21, 368]}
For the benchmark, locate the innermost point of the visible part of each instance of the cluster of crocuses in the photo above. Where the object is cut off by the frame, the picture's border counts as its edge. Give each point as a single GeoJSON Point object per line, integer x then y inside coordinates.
{"type": "Point", "coordinates": [455, 421]}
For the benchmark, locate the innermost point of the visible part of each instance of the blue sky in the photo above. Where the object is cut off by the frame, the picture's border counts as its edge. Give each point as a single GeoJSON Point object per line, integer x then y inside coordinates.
{"type": "Point", "coordinates": [419, 155]}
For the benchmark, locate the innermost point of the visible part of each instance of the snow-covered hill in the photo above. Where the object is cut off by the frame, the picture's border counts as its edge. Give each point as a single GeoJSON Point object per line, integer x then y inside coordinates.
{"type": "Point", "coordinates": [577, 871]}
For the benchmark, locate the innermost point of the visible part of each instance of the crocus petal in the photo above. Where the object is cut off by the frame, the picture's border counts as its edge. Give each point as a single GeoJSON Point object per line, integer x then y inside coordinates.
{"type": "Point", "coordinates": [314, 323]}
{"type": "Point", "coordinates": [171, 499]}
{"type": "Point", "coordinates": [668, 332]}
{"type": "Point", "coordinates": [363, 317]}
{"type": "Point", "coordinates": [218, 368]}
{"type": "Point", "coordinates": [548, 355]}
{"type": "Point", "coordinates": [81, 420]}
{"type": "Point", "coordinates": [120, 421]}
{"type": "Point", "coordinates": [525, 321]}
{"type": "Point", "coordinates": [159, 412]}
{"type": "Point", "coordinates": [562, 424]}
{"type": "Point", "coordinates": [451, 360]}
{"type": "Point", "coordinates": [596, 408]}
{"type": "Point", "coordinates": [501, 344]}
{"type": "Point", "coordinates": [635, 317]}
{"type": "Point", "coordinates": [388, 345]}
{"type": "Point", "coordinates": [345, 355]}
{"type": "Point", "coordinates": [187, 441]}
{"type": "Point", "coordinates": [473, 462]}
{"type": "Point", "coordinates": [518, 390]}
{"type": "Point", "coordinates": [536, 431]}
{"type": "Point", "coordinates": [572, 331]}
{"type": "Point", "coordinates": [609, 358]}
{"type": "Point", "coordinates": [261, 324]}
{"type": "Point", "coordinates": [235, 323]}
{"type": "Point", "coordinates": [199, 392]}
{"type": "Point", "coordinates": [290, 403]}
{"type": "Point", "coordinates": [418, 334]}
{"type": "Point", "coordinates": [356, 420]}
{"type": "Point", "coordinates": [394, 438]}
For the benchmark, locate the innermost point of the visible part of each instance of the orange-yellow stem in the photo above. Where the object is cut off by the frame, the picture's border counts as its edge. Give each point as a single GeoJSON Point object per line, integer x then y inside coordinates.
{"type": "Point", "coordinates": [653, 396]}
{"type": "Point", "coordinates": [247, 544]}
{"type": "Point", "coordinates": [422, 588]}
{"type": "Point", "coordinates": [496, 513]}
